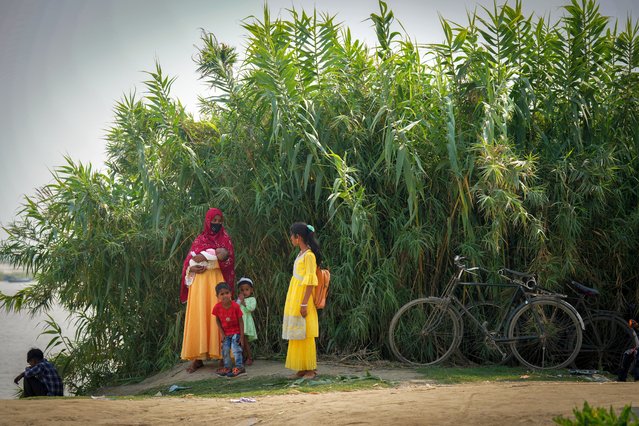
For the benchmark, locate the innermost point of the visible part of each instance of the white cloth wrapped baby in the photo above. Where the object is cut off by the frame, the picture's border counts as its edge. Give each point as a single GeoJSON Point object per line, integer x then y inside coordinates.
{"type": "Point", "coordinates": [211, 256]}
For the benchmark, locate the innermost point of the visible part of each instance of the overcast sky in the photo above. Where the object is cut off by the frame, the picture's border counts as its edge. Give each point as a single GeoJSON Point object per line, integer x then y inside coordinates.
{"type": "Point", "coordinates": [65, 63]}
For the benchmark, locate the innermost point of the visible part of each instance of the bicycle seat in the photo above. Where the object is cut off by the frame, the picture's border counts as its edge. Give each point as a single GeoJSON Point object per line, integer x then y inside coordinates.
{"type": "Point", "coordinates": [506, 271]}
{"type": "Point", "coordinates": [588, 291]}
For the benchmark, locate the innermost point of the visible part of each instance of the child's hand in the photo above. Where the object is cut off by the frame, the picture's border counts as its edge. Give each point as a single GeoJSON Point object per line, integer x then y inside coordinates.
{"type": "Point", "coordinates": [17, 379]}
{"type": "Point", "coordinates": [303, 311]}
{"type": "Point", "coordinates": [199, 258]}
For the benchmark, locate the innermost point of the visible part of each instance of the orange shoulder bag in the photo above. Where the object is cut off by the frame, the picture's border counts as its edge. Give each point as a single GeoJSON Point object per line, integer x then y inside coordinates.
{"type": "Point", "coordinates": [321, 291]}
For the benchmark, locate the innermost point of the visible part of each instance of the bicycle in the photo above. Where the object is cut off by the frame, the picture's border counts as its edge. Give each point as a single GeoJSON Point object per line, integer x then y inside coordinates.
{"type": "Point", "coordinates": [606, 336]}
{"type": "Point", "coordinates": [539, 328]}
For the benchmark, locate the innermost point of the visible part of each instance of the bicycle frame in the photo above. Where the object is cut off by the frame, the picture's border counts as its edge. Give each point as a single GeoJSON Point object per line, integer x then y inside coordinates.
{"type": "Point", "coordinates": [601, 345]}
{"type": "Point", "coordinates": [540, 328]}
{"type": "Point", "coordinates": [524, 292]}
{"type": "Point", "coordinates": [585, 308]}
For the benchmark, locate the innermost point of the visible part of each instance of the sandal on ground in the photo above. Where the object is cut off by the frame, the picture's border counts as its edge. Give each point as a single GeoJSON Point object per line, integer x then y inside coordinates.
{"type": "Point", "coordinates": [194, 366]}
{"type": "Point", "coordinates": [223, 371]}
{"type": "Point", "coordinates": [249, 361]}
{"type": "Point", "coordinates": [236, 372]}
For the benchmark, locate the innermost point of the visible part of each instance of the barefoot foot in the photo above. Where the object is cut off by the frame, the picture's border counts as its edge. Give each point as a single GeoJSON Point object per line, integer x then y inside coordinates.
{"type": "Point", "coordinates": [298, 375]}
{"type": "Point", "coordinates": [197, 363]}
{"type": "Point", "coordinates": [310, 375]}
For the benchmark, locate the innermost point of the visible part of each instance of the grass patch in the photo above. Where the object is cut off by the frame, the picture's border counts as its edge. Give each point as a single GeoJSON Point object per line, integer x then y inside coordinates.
{"type": "Point", "coordinates": [223, 387]}
{"type": "Point", "coordinates": [499, 373]}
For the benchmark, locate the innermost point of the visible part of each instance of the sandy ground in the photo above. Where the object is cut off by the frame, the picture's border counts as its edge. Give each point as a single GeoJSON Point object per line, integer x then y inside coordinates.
{"type": "Point", "coordinates": [534, 403]}
{"type": "Point", "coordinates": [412, 401]}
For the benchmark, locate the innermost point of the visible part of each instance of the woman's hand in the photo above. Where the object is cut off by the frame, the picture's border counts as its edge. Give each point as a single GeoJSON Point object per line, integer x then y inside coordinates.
{"type": "Point", "coordinates": [303, 311]}
{"type": "Point", "coordinates": [198, 269]}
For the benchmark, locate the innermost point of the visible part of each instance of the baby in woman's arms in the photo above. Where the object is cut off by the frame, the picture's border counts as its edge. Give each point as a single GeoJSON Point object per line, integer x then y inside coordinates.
{"type": "Point", "coordinates": [207, 258]}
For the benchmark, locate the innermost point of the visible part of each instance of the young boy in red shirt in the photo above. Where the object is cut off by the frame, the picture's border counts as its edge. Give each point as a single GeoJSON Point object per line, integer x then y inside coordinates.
{"type": "Point", "coordinates": [229, 320]}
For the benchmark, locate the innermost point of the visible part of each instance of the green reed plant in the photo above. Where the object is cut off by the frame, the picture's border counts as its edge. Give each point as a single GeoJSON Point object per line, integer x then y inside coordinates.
{"type": "Point", "coordinates": [512, 142]}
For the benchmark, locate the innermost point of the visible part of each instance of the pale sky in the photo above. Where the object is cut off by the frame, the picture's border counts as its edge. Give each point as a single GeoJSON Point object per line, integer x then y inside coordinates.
{"type": "Point", "coordinates": [65, 63]}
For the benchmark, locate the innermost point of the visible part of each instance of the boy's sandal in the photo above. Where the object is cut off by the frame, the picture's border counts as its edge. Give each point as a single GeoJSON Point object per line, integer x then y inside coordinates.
{"type": "Point", "coordinates": [223, 371]}
{"type": "Point", "coordinates": [236, 372]}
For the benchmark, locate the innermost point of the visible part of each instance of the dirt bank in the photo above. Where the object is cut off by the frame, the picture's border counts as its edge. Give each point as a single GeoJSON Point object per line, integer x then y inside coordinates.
{"type": "Point", "coordinates": [391, 372]}
{"type": "Point", "coordinates": [534, 403]}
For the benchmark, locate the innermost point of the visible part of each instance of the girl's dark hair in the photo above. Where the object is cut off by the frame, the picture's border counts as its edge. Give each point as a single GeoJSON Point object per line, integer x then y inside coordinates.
{"type": "Point", "coordinates": [303, 230]}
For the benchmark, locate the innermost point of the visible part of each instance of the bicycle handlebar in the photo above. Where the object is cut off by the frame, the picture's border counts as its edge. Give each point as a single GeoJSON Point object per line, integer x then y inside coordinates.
{"type": "Point", "coordinates": [526, 280]}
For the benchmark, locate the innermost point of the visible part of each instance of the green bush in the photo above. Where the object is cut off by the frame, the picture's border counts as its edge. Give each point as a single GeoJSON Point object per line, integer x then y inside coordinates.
{"type": "Point", "coordinates": [600, 416]}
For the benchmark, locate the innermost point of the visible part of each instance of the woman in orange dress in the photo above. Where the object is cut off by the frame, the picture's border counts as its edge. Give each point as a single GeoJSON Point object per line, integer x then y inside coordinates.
{"type": "Point", "coordinates": [201, 335]}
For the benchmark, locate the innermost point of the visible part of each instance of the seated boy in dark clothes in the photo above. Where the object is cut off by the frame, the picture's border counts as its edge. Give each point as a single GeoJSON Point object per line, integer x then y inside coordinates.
{"type": "Point", "coordinates": [41, 378]}
{"type": "Point", "coordinates": [630, 356]}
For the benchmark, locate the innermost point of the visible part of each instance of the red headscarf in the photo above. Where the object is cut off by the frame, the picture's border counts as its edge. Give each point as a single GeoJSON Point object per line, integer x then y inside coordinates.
{"type": "Point", "coordinates": [206, 240]}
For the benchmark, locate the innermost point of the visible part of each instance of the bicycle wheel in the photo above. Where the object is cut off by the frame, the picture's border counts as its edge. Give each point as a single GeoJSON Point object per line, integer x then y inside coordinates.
{"type": "Point", "coordinates": [425, 331]}
{"type": "Point", "coordinates": [475, 346]}
{"type": "Point", "coordinates": [546, 334]}
{"type": "Point", "coordinates": [605, 340]}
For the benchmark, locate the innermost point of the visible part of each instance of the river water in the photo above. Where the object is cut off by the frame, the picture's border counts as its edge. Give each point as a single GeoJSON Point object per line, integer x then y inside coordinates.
{"type": "Point", "coordinates": [20, 332]}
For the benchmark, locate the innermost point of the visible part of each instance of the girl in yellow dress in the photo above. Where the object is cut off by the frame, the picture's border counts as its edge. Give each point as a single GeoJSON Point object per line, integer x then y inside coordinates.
{"type": "Point", "coordinates": [300, 326]}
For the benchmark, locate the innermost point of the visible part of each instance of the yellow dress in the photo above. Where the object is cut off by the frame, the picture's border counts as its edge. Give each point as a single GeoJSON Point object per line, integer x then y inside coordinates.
{"type": "Point", "coordinates": [301, 332]}
{"type": "Point", "coordinates": [201, 335]}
